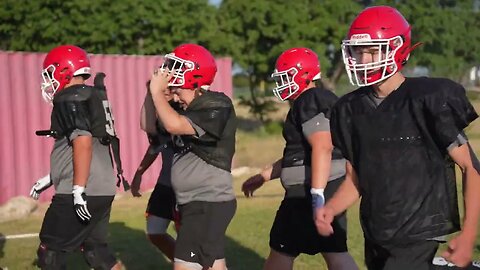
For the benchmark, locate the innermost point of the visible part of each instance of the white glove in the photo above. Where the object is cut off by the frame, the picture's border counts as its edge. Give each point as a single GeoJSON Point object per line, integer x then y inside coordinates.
{"type": "Point", "coordinates": [39, 186]}
{"type": "Point", "coordinates": [80, 203]}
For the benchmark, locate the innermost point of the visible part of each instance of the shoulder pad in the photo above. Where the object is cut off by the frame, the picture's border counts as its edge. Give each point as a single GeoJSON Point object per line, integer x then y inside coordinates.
{"type": "Point", "coordinates": [210, 99]}
{"type": "Point", "coordinates": [313, 102]}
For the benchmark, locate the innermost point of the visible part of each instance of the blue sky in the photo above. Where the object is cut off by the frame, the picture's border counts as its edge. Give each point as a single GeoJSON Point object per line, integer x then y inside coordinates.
{"type": "Point", "coordinates": [215, 2]}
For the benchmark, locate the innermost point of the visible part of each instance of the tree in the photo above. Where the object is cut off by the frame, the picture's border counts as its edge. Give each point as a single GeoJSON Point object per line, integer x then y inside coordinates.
{"type": "Point", "coordinates": [255, 32]}
{"type": "Point", "coordinates": [102, 26]}
{"type": "Point", "coordinates": [450, 32]}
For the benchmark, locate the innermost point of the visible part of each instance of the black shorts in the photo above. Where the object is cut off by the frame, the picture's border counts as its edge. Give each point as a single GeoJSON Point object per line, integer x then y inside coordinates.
{"type": "Point", "coordinates": [62, 230]}
{"type": "Point", "coordinates": [201, 238]}
{"type": "Point", "coordinates": [416, 256]}
{"type": "Point", "coordinates": [162, 202]}
{"type": "Point", "coordinates": [294, 231]}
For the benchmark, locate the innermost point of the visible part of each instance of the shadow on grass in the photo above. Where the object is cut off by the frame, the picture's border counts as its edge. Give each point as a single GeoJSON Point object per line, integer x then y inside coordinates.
{"type": "Point", "coordinates": [132, 247]}
{"type": "Point", "coordinates": [135, 251]}
{"type": "Point", "coordinates": [242, 258]}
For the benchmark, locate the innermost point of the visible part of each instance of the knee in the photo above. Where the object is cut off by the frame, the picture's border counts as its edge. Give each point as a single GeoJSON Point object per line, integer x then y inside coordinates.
{"type": "Point", "coordinates": [50, 259]}
{"type": "Point", "coordinates": [99, 256]}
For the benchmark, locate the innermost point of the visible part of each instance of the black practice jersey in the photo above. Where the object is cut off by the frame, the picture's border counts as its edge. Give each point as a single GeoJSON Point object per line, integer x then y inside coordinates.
{"type": "Point", "coordinates": [398, 150]}
{"type": "Point", "coordinates": [308, 105]}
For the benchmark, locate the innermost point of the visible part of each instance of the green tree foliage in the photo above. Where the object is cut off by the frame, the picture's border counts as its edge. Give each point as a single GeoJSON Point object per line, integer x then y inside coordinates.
{"type": "Point", "coordinates": [449, 31]}
{"type": "Point", "coordinates": [252, 32]}
{"type": "Point", "coordinates": [255, 32]}
{"type": "Point", "coordinates": [103, 26]}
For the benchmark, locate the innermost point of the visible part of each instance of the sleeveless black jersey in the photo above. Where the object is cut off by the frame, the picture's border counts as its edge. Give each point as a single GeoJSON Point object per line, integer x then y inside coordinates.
{"type": "Point", "coordinates": [214, 113]}
{"type": "Point", "coordinates": [399, 152]}
{"type": "Point", "coordinates": [308, 105]}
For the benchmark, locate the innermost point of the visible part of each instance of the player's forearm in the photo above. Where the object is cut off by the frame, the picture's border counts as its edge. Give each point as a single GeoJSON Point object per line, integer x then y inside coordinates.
{"type": "Point", "coordinates": [173, 122]}
{"type": "Point", "coordinates": [82, 157]}
{"type": "Point", "coordinates": [146, 162]}
{"type": "Point", "coordinates": [471, 180]}
{"type": "Point", "coordinates": [148, 115]}
{"type": "Point", "coordinates": [321, 163]}
{"type": "Point", "coordinates": [347, 194]}
{"type": "Point", "coordinates": [272, 171]}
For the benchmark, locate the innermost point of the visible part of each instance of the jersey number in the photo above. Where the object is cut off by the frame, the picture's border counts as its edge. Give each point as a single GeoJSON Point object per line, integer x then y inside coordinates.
{"type": "Point", "coordinates": [109, 116]}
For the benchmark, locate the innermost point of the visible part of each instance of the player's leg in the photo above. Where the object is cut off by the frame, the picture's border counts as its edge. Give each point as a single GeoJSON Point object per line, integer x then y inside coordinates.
{"type": "Point", "coordinates": [95, 248]}
{"type": "Point", "coordinates": [159, 213]}
{"type": "Point", "coordinates": [201, 238]}
{"type": "Point", "coordinates": [59, 227]}
{"type": "Point", "coordinates": [278, 261]}
{"type": "Point", "coordinates": [158, 236]}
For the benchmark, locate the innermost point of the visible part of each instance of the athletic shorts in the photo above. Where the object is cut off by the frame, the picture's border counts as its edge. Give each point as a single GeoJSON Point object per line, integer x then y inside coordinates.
{"type": "Point", "coordinates": [62, 230]}
{"type": "Point", "coordinates": [201, 238]}
{"type": "Point", "coordinates": [416, 256]}
{"type": "Point", "coordinates": [294, 231]}
{"type": "Point", "coordinates": [162, 202]}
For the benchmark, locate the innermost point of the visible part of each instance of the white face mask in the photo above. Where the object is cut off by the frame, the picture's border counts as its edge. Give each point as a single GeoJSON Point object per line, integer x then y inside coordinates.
{"type": "Point", "coordinates": [49, 85]}
{"type": "Point", "coordinates": [382, 64]}
{"type": "Point", "coordinates": [286, 85]}
{"type": "Point", "coordinates": [179, 66]}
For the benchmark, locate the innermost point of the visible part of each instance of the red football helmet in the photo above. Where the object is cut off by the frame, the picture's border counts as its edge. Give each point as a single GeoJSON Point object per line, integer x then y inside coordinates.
{"type": "Point", "coordinates": [61, 64]}
{"type": "Point", "coordinates": [193, 65]}
{"type": "Point", "coordinates": [386, 30]}
{"type": "Point", "coordinates": [294, 70]}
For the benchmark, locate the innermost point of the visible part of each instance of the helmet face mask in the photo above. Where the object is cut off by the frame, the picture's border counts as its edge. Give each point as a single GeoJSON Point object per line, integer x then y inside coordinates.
{"type": "Point", "coordinates": [382, 64]}
{"type": "Point", "coordinates": [179, 67]}
{"type": "Point", "coordinates": [286, 85]}
{"type": "Point", "coordinates": [387, 36]}
{"type": "Point", "coordinates": [294, 70]}
{"type": "Point", "coordinates": [49, 85]}
{"type": "Point", "coordinates": [60, 65]}
{"type": "Point", "coordinates": [192, 65]}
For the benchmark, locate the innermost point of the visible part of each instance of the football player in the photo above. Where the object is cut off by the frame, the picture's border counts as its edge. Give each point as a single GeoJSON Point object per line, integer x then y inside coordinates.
{"type": "Point", "coordinates": [204, 145]}
{"type": "Point", "coordinates": [310, 169]}
{"type": "Point", "coordinates": [161, 208]}
{"type": "Point", "coordinates": [80, 164]}
{"type": "Point", "coordinates": [401, 138]}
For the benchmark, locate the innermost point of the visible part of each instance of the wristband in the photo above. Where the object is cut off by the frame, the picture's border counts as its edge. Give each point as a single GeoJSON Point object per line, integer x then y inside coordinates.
{"type": "Point", "coordinates": [318, 199]}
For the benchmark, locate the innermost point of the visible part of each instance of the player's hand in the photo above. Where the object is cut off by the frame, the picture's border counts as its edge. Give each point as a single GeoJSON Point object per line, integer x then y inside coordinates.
{"type": "Point", "coordinates": [323, 218]}
{"type": "Point", "coordinates": [80, 203]}
{"type": "Point", "coordinates": [251, 184]}
{"type": "Point", "coordinates": [39, 186]}
{"type": "Point", "coordinates": [159, 81]}
{"type": "Point", "coordinates": [135, 185]}
{"type": "Point", "coordinates": [460, 250]}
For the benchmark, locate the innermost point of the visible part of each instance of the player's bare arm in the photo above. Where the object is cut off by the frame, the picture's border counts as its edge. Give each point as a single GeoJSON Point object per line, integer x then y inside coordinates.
{"type": "Point", "coordinates": [173, 122]}
{"type": "Point", "coordinates": [347, 194]}
{"type": "Point", "coordinates": [460, 248]}
{"type": "Point", "coordinates": [82, 156]}
{"type": "Point", "coordinates": [270, 172]}
{"type": "Point", "coordinates": [322, 147]}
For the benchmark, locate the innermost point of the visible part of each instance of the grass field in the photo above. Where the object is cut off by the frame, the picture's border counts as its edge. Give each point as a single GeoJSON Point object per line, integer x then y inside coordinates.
{"type": "Point", "coordinates": [247, 236]}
